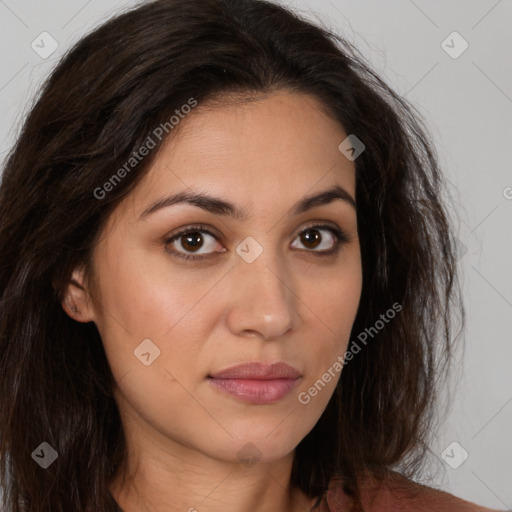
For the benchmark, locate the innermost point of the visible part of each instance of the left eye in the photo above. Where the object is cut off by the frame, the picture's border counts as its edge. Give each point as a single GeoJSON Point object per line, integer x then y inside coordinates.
{"type": "Point", "coordinates": [193, 239]}
{"type": "Point", "coordinates": [311, 236]}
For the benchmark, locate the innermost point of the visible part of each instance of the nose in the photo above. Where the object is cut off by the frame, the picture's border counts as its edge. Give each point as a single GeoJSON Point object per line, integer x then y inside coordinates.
{"type": "Point", "coordinates": [263, 302]}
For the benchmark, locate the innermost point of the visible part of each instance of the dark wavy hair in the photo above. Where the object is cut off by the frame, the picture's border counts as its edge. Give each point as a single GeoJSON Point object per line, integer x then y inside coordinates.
{"type": "Point", "coordinates": [99, 105]}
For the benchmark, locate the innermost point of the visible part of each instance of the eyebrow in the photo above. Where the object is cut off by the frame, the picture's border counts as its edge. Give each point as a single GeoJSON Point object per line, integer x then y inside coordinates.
{"type": "Point", "coordinates": [220, 206]}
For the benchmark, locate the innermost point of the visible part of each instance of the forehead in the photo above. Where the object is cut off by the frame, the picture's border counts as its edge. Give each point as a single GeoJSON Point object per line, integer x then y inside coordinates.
{"type": "Point", "coordinates": [273, 148]}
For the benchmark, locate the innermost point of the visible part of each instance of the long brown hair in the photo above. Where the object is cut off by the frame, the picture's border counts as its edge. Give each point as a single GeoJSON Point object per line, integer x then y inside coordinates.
{"type": "Point", "coordinates": [100, 104]}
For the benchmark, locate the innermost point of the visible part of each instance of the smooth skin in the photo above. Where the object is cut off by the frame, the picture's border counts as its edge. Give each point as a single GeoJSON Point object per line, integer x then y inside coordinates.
{"type": "Point", "coordinates": [290, 304]}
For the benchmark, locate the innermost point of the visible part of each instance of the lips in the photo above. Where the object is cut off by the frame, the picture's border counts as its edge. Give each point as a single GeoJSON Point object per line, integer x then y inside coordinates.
{"type": "Point", "coordinates": [258, 371]}
{"type": "Point", "coordinates": [257, 383]}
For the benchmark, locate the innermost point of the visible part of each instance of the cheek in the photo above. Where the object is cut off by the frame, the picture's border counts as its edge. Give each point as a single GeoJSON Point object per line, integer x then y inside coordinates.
{"type": "Point", "coordinates": [332, 304]}
{"type": "Point", "coordinates": [144, 293]}
{"type": "Point", "coordinates": [145, 299]}
{"type": "Point", "coordinates": [332, 296]}
{"type": "Point", "coordinates": [153, 334]}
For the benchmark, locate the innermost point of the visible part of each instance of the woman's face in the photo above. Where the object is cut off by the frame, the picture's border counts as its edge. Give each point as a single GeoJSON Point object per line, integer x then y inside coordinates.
{"type": "Point", "coordinates": [262, 289]}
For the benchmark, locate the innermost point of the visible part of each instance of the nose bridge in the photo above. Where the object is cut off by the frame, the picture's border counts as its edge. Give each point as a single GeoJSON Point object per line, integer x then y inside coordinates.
{"type": "Point", "coordinates": [264, 299]}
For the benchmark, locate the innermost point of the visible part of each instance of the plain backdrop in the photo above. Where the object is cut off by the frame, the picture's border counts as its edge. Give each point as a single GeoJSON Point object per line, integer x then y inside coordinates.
{"type": "Point", "coordinates": [465, 98]}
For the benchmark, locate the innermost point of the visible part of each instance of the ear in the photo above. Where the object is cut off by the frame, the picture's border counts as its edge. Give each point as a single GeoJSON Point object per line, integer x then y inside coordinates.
{"type": "Point", "coordinates": [76, 300]}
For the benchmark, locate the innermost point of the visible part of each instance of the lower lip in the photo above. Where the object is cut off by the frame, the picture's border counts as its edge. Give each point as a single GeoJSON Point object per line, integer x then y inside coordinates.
{"type": "Point", "coordinates": [256, 391]}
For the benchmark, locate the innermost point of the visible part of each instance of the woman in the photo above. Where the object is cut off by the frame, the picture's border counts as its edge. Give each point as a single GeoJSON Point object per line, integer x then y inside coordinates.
{"type": "Point", "coordinates": [224, 263]}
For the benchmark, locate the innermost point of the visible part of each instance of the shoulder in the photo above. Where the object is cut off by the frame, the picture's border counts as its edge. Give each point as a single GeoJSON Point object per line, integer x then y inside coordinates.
{"type": "Point", "coordinates": [398, 494]}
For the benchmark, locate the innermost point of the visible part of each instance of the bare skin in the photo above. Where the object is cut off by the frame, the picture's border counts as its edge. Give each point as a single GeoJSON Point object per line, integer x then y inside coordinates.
{"type": "Point", "coordinates": [290, 304]}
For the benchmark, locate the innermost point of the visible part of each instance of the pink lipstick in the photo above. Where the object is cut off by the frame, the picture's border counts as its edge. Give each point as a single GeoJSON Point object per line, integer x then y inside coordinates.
{"type": "Point", "coordinates": [257, 383]}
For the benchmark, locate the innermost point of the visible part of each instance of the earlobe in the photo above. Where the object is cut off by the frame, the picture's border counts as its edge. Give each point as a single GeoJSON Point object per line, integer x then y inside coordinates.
{"type": "Point", "coordinates": [76, 300]}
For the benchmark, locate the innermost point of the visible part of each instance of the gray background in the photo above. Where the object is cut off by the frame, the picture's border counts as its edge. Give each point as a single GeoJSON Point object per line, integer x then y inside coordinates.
{"type": "Point", "coordinates": [467, 104]}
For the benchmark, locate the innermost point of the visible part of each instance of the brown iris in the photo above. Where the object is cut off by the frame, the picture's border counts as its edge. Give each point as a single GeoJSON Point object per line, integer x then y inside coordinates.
{"type": "Point", "coordinates": [193, 239]}
{"type": "Point", "coordinates": [310, 236]}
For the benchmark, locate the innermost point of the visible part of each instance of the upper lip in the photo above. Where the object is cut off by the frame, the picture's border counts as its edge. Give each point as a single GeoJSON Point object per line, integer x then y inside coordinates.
{"type": "Point", "coordinates": [258, 371]}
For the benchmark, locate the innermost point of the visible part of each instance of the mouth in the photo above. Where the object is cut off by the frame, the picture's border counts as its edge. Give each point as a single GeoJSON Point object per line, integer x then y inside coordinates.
{"type": "Point", "coordinates": [257, 383]}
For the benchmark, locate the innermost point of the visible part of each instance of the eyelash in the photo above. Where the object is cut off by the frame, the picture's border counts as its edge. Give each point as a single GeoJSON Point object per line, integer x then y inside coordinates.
{"type": "Point", "coordinates": [340, 236]}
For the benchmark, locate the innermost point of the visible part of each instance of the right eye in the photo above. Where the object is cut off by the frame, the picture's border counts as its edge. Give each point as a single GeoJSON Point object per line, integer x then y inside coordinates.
{"type": "Point", "coordinates": [191, 238]}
